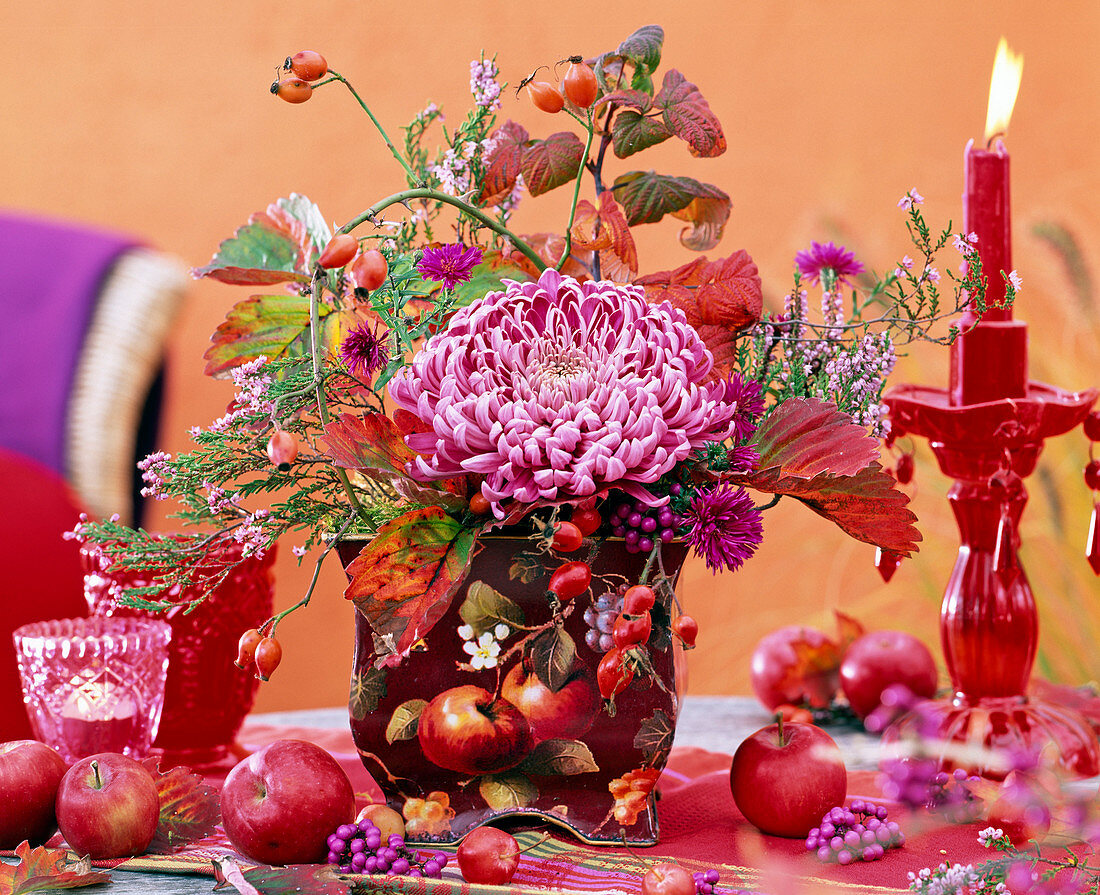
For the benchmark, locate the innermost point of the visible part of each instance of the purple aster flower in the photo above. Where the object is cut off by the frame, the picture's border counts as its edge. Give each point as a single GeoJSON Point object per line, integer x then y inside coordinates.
{"type": "Point", "coordinates": [743, 458]}
{"type": "Point", "coordinates": [815, 263]}
{"type": "Point", "coordinates": [724, 527]}
{"type": "Point", "coordinates": [363, 351]}
{"type": "Point", "coordinates": [559, 390]}
{"type": "Point", "coordinates": [451, 264]}
{"type": "Point", "coordinates": [748, 396]}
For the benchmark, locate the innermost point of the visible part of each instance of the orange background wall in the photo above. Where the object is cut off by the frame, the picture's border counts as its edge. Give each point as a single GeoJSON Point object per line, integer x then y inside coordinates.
{"type": "Point", "coordinates": [154, 118]}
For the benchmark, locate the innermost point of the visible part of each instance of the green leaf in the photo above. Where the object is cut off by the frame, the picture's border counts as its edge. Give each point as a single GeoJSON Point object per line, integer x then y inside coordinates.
{"type": "Point", "coordinates": [632, 132]}
{"type": "Point", "coordinates": [551, 162]}
{"type": "Point", "coordinates": [489, 276]}
{"type": "Point", "coordinates": [646, 196]}
{"type": "Point", "coordinates": [273, 325]}
{"type": "Point", "coordinates": [502, 792]}
{"type": "Point", "coordinates": [484, 608]}
{"type": "Point", "coordinates": [42, 869]}
{"type": "Point", "coordinates": [526, 568]}
{"type": "Point", "coordinates": [404, 720]}
{"type": "Point", "coordinates": [404, 578]}
{"type": "Point", "coordinates": [277, 245]}
{"type": "Point", "coordinates": [654, 736]}
{"type": "Point", "coordinates": [689, 117]}
{"type": "Point", "coordinates": [367, 690]}
{"type": "Point", "coordinates": [189, 809]}
{"type": "Point", "coordinates": [552, 654]}
{"type": "Point", "coordinates": [559, 758]}
{"type": "Point", "coordinates": [643, 47]}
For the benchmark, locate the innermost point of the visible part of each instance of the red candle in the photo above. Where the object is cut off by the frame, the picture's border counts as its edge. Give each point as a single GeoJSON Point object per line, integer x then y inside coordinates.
{"type": "Point", "coordinates": [986, 212]}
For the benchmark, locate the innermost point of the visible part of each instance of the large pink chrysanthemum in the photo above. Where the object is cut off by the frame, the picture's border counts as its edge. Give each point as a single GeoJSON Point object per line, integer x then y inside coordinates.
{"type": "Point", "coordinates": [558, 390]}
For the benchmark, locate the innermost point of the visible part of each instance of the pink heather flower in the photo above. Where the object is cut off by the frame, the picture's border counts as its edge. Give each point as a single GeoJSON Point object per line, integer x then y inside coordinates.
{"type": "Point", "coordinates": [363, 351]}
{"type": "Point", "coordinates": [451, 264]}
{"type": "Point", "coordinates": [964, 245]}
{"type": "Point", "coordinates": [483, 83]}
{"type": "Point", "coordinates": [931, 274]}
{"type": "Point", "coordinates": [154, 470]}
{"type": "Point", "coordinates": [910, 199]}
{"type": "Point", "coordinates": [559, 390]}
{"type": "Point", "coordinates": [724, 527]}
{"type": "Point", "coordinates": [1014, 279]}
{"type": "Point", "coordinates": [819, 259]}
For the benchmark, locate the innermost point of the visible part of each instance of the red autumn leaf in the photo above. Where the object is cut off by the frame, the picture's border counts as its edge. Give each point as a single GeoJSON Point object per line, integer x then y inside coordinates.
{"type": "Point", "coordinates": [189, 809]}
{"type": "Point", "coordinates": [643, 47]}
{"type": "Point", "coordinates": [646, 197]}
{"type": "Point", "coordinates": [316, 879]}
{"type": "Point", "coordinates": [637, 100]}
{"type": "Point", "coordinates": [370, 441]}
{"type": "Point", "coordinates": [404, 579]}
{"type": "Point", "coordinates": [275, 326]}
{"type": "Point", "coordinates": [277, 245]}
{"type": "Point", "coordinates": [814, 453]}
{"type": "Point", "coordinates": [408, 423]}
{"type": "Point", "coordinates": [707, 216]}
{"type": "Point", "coordinates": [549, 163]}
{"type": "Point", "coordinates": [504, 165]}
{"type": "Point", "coordinates": [848, 630]}
{"type": "Point", "coordinates": [725, 293]}
{"type": "Point", "coordinates": [808, 437]}
{"type": "Point", "coordinates": [816, 669]}
{"type": "Point", "coordinates": [549, 246]}
{"type": "Point", "coordinates": [606, 231]}
{"type": "Point", "coordinates": [723, 347]}
{"type": "Point", "coordinates": [689, 117]}
{"type": "Point", "coordinates": [632, 132]}
{"type": "Point", "coordinates": [42, 869]}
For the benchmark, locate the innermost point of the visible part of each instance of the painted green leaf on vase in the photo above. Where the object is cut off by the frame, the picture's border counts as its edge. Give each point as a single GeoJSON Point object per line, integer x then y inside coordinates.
{"type": "Point", "coordinates": [654, 736]}
{"type": "Point", "coordinates": [485, 607]}
{"type": "Point", "coordinates": [404, 578]}
{"type": "Point", "coordinates": [405, 720]}
{"type": "Point", "coordinates": [277, 245]}
{"type": "Point", "coordinates": [504, 791]}
{"type": "Point", "coordinates": [274, 326]}
{"type": "Point", "coordinates": [558, 757]}
{"type": "Point", "coordinates": [367, 689]}
{"type": "Point", "coordinates": [552, 654]}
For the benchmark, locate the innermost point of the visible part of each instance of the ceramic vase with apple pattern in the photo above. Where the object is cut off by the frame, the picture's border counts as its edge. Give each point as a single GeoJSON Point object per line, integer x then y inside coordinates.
{"type": "Point", "coordinates": [497, 711]}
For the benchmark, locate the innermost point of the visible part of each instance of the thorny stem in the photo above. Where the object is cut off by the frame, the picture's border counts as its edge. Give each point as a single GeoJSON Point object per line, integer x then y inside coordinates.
{"type": "Point", "coordinates": [335, 76]}
{"type": "Point", "coordinates": [371, 214]}
{"type": "Point", "coordinates": [771, 503]}
{"type": "Point", "coordinates": [319, 380]}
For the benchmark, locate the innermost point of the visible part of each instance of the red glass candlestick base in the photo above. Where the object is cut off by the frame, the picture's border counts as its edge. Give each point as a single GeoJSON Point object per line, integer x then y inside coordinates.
{"type": "Point", "coordinates": [989, 625]}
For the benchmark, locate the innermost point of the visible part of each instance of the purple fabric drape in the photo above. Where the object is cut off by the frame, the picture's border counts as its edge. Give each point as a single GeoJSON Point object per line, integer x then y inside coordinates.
{"type": "Point", "coordinates": [52, 276]}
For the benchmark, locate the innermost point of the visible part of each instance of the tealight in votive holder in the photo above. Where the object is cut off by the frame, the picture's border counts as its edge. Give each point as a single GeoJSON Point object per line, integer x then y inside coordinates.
{"type": "Point", "coordinates": [94, 685]}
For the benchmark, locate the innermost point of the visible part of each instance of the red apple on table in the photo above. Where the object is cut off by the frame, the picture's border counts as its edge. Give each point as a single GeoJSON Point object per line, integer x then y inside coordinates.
{"type": "Point", "coordinates": [786, 776]}
{"type": "Point", "coordinates": [30, 773]}
{"type": "Point", "coordinates": [464, 729]}
{"type": "Point", "coordinates": [280, 804]}
{"type": "Point", "coordinates": [877, 660]}
{"type": "Point", "coordinates": [566, 714]}
{"type": "Point", "coordinates": [795, 665]}
{"type": "Point", "coordinates": [668, 879]}
{"type": "Point", "coordinates": [488, 856]}
{"type": "Point", "coordinates": [108, 807]}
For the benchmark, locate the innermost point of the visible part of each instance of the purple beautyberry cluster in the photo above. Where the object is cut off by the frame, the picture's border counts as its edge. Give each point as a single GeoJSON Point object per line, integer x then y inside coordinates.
{"type": "Point", "coordinates": [600, 618]}
{"type": "Point", "coordinates": [705, 881]}
{"type": "Point", "coordinates": [642, 526]}
{"type": "Point", "coordinates": [919, 783]}
{"type": "Point", "coordinates": [859, 832]}
{"type": "Point", "coordinates": [358, 848]}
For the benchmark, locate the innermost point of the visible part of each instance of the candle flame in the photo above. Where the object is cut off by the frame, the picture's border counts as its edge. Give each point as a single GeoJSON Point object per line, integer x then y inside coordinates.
{"type": "Point", "coordinates": [1003, 87]}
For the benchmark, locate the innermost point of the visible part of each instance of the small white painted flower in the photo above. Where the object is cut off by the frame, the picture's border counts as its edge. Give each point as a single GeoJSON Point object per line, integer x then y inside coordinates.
{"type": "Point", "coordinates": [501, 631]}
{"type": "Point", "coordinates": [466, 632]}
{"type": "Point", "coordinates": [483, 653]}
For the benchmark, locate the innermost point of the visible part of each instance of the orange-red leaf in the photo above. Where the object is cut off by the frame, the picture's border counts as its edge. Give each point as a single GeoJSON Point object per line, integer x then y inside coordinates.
{"type": "Point", "coordinates": [405, 577]}
{"type": "Point", "coordinates": [689, 117]}
{"type": "Point", "coordinates": [505, 163]}
{"type": "Point", "coordinates": [808, 437]}
{"type": "Point", "coordinates": [726, 292]}
{"type": "Point", "coordinates": [606, 231]}
{"type": "Point", "coordinates": [189, 808]}
{"type": "Point", "coordinates": [44, 869]}
{"type": "Point", "coordinates": [549, 163]}
{"type": "Point", "coordinates": [848, 629]}
{"type": "Point", "coordinates": [370, 441]}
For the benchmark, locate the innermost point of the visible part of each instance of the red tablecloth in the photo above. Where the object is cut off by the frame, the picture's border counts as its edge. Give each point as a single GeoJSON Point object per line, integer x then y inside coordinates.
{"type": "Point", "coordinates": [700, 828]}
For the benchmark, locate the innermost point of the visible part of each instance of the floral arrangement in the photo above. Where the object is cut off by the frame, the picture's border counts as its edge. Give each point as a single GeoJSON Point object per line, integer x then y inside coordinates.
{"type": "Point", "coordinates": [425, 375]}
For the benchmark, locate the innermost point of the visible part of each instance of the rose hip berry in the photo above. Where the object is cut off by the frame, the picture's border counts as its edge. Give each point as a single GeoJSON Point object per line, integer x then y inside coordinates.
{"type": "Point", "coordinates": [369, 269]}
{"type": "Point", "coordinates": [570, 580]}
{"type": "Point", "coordinates": [630, 631]}
{"type": "Point", "coordinates": [268, 656]}
{"type": "Point", "coordinates": [292, 90]}
{"type": "Point", "coordinates": [567, 537]}
{"type": "Point", "coordinates": [282, 449]}
{"type": "Point", "coordinates": [479, 505]}
{"type": "Point", "coordinates": [687, 629]}
{"type": "Point", "coordinates": [613, 675]}
{"type": "Point", "coordinates": [545, 97]}
{"type": "Point", "coordinates": [339, 251]}
{"type": "Point", "coordinates": [579, 85]}
{"type": "Point", "coordinates": [246, 647]}
{"type": "Point", "coordinates": [587, 519]}
{"type": "Point", "coordinates": [1092, 474]}
{"type": "Point", "coordinates": [309, 65]}
{"type": "Point", "coordinates": [638, 599]}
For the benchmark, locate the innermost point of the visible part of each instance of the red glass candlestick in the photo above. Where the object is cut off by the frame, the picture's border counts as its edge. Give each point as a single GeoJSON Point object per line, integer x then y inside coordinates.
{"type": "Point", "coordinates": [987, 430]}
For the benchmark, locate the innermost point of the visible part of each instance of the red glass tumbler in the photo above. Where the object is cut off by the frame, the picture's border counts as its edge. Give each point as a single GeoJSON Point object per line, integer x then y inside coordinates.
{"type": "Point", "coordinates": [206, 696]}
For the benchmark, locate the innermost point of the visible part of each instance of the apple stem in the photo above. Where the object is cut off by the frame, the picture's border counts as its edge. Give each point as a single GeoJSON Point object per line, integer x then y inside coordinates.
{"type": "Point", "coordinates": [95, 775]}
{"type": "Point", "coordinates": [534, 844]}
{"type": "Point", "coordinates": [779, 723]}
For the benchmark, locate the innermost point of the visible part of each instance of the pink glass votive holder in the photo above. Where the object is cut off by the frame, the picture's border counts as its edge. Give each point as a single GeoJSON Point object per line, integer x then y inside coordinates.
{"type": "Point", "coordinates": [94, 684]}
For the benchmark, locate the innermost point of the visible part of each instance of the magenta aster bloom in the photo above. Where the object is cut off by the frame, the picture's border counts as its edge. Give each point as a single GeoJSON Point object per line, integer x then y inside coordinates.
{"type": "Point", "coordinates": [363, 351]}
{"type": "Point", "coordinates": [821, 258]}
{"type": "Point", "coordinates": [559, 390]}
{"type": "Point", "coordinates": [748, 397]}
{"type": "Point", "coordinates": [724, 527]}
{"type": "Point", "coordinates": [450, 264]}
